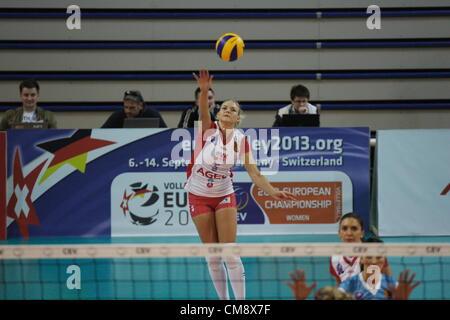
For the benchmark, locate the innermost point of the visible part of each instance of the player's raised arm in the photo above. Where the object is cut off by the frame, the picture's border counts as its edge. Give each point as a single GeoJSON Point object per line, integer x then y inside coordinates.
{"type": "Point", "coordinates": [204, 81]}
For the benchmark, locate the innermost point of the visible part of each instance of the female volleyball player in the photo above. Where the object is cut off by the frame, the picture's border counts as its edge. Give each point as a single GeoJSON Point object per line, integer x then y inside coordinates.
{"type": "Point", "coordinates": [212, 201]}
{"type": "Point", "coordinates": [367, 285]}
{"type": "Point", "coordinates": [351, 229]}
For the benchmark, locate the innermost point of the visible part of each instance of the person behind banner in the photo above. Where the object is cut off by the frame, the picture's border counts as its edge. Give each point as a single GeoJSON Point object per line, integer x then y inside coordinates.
{"type": "Point", "coordinates": [211, 197]}
{"type": "Point", "coordinates": [299, 105]}
{"type": "Point", "coordinates": [29, 113]}
{"type": "Point", "coordinates": [133, 107]}
{"type": "Point", "coordinates": [190, 115]}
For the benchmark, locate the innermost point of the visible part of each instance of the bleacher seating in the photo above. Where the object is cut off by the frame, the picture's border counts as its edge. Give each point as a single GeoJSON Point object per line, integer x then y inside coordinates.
{"type": "Point", "coordinates": [395, 77]}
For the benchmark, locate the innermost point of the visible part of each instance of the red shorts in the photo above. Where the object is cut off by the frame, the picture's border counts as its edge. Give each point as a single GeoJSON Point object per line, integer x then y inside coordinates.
{"type": "Point", "coordinates": [200, 205]}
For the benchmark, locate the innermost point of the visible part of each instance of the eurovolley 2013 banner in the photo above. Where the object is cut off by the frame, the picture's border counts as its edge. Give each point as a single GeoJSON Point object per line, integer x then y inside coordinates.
{"type": "Point", "coordinates": [125, 182]}
{"type": "Point", "coordinates": [413, 182]}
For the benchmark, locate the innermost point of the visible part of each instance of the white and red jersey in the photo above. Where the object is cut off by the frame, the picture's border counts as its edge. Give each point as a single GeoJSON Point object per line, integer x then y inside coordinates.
{"type": "Point", "coordinates": [344, 267]}
{"type": "Point", "coordinates": [209, 173]}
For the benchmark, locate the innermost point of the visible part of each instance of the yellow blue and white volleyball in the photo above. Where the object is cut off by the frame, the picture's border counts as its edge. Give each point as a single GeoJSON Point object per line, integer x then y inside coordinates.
{"type": "Point", "coordinates": [230, 47]}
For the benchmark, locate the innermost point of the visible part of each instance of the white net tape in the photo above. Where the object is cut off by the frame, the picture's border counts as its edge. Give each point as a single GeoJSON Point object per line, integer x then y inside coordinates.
{"type": "Point", "coordinates": [208, 250]}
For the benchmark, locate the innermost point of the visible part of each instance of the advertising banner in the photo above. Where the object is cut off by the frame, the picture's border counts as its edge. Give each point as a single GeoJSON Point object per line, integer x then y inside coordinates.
{"type": "Point", "coordinates": [413, 182]}
{"type": "Point", "coordinates": [2, 185]}
{"type": "Point", "coordinates": [125, 182]}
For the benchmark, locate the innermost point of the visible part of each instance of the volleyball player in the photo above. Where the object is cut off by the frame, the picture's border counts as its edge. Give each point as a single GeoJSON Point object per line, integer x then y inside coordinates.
{"type": "Point", "coordinates": [212, 201]}
{"type": "Point", "coordinates": [370, 285]}
{"type": "Point", "coordinates": [366, 285]}
{"type": "Point", "coordinates": [351, 230]}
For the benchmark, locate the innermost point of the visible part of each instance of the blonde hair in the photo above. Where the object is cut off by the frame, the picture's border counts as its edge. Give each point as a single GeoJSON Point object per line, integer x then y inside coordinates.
{"type": "Point", "coordinates": [235, 102]}
{"type": "Point", "coordinates": [240, 112]}
{"type": "Point", "coordinates": [332, 293]}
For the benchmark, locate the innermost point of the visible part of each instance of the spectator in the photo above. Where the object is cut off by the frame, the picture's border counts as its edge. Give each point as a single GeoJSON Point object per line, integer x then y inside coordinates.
{"type": "Point", "coordinates": [133, 107]}
{"type": "Point", "coordinates": [29, 112]}
{"type": "Point", "coordinates": [190, 115]}
{"type": "Point", "coordinates": [299, 105]}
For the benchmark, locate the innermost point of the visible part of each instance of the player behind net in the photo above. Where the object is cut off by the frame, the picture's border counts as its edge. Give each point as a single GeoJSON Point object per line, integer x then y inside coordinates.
{"type": "Point", "coordinates": [351, 230]}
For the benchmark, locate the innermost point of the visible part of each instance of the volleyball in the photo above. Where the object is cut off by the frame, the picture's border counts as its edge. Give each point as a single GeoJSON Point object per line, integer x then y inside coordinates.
{"type": "Point", "coordinates": [230, 47]}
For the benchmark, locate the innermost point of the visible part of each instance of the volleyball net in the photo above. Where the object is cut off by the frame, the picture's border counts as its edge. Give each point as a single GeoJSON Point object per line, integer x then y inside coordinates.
{"type": "Point", "coordinates": [179, 271]}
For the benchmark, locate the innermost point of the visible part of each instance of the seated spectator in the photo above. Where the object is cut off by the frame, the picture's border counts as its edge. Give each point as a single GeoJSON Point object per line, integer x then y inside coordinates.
{"type": "Point", "coordinates": [190, 115]}
{"type": "Point", "coordinates": [299, 105]}
{"type": "Point", "coordinates": [29, 112]}
{"type": "Point", "coordinates": [133, 107]}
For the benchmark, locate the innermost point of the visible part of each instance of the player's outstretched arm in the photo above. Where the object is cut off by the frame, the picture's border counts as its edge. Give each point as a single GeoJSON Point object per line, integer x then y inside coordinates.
{"type": "Point", "coordinates": [204, 82]}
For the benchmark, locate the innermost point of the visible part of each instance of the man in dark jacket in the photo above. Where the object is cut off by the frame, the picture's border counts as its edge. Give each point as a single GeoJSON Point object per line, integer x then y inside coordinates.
{"type": "Point", "coordinates": [190, 115]}
{"type": "Point", "coordinates": [133, 107]}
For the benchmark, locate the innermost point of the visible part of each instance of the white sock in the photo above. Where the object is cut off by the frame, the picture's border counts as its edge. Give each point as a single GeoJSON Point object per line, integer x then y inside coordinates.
{"type": "Point", "coordinates": [219, 276]}
{"type": "Point", "coordinates": [237, 276]}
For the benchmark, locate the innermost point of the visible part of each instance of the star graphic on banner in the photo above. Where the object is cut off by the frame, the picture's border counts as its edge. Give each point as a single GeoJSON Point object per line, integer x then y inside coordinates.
{"type": "Point", "coordinates": [124, 203]}
{"type": "Point", "coordinates": [71, 151]}
{"type": "Point", "coordinates": [20, 206]}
